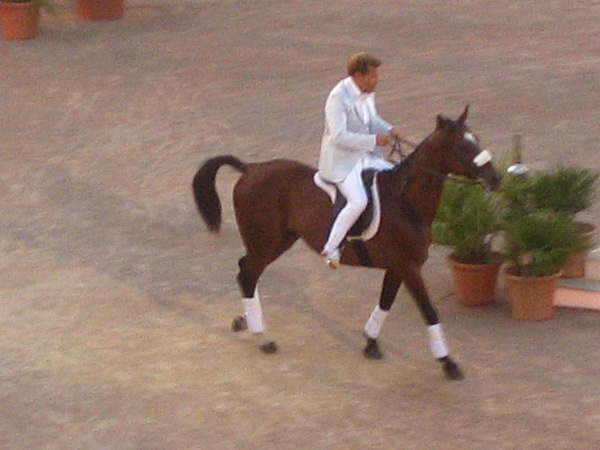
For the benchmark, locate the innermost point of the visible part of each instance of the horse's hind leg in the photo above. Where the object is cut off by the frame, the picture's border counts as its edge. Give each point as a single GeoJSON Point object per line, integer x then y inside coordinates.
{"type": "Point", "coordinates": [253, 319]}
{"type": "Point", "coordinates": [391, 284]}
{"type": "Point", "coordinates": [251, 268]}
{"type": "Point", "coordinates": [439, 348]}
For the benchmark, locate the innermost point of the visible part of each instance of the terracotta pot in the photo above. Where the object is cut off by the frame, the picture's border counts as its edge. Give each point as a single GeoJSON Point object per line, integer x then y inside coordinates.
{"type": "Point", "coordinates": [100, 9]}
{"type": "Point", "coordinates": [531, 298]}
{"type": "Point", "coordinates": [475, 284]}
{"type": "Point", "coordinates": [575, 267]}
{"type": "Point", "coordinates": [19, 20]}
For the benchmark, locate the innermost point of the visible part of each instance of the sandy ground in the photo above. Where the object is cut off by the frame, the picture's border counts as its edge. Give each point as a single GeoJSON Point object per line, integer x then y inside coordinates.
{"type": "Point", "coordinates": [115, 301]}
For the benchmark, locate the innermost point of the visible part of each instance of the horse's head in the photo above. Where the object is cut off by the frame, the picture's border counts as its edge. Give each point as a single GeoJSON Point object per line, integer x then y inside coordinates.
{"type": "Point", "coordinates": [463, 156]}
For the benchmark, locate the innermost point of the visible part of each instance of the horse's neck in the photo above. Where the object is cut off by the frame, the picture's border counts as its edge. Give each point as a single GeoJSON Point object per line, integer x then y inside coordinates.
{"type": "Point", "coordinates": [424, 194]}
{"type": "Point", "coordinates": [425, 181]}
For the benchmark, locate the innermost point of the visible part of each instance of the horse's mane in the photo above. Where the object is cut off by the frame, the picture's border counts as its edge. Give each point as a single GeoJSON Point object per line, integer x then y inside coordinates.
{"type": "Point", "coordinates": [398, 178]}
{"type": "Point", "coordinates": [401, 169]}
{"type": "Point", "coordinates": [406, 162]}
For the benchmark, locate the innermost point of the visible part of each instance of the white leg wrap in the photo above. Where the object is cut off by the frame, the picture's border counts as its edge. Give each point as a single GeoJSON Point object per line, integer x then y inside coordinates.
{"type": "Point", "coordinates": [253, 313]}
{"type": "Point", "coordinates": [375, 322]}
{"type": "Point", "coordinates": [437, 341]}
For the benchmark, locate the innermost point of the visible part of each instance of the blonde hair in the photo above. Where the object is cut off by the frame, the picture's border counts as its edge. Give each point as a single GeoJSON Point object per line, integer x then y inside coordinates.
{"type": "Point", "coordinates": [360, 62]}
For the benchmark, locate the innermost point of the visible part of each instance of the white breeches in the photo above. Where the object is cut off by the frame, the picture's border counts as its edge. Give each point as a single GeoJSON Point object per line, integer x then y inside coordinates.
{"type": "Point", "coordinates": [352, 188]}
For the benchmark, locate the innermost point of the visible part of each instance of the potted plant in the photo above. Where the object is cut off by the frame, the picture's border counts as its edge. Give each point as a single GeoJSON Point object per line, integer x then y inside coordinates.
{"type": "Point", "coordinates": [466, 222]}
{"type": "Point", "coordinates": [569, 190]}
{"type": "Point", "coordinates": [19, 19]}
{"type": "Point", "coordinates": [538, 245]}
{"type": "Point", "coordinates": [100, 9]}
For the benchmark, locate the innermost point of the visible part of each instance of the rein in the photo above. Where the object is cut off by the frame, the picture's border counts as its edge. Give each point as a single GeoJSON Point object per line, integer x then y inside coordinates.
{"type": "Point", "coordinates": [396, 147]}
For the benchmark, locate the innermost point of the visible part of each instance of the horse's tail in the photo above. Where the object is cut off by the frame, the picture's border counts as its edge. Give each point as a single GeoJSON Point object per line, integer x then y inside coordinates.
{"type": "Point", "coordinates": [205, 192]}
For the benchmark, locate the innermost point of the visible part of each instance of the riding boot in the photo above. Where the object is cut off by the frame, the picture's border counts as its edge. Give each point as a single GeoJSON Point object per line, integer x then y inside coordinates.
{"type": "Point", "coordinates": [332, 259]}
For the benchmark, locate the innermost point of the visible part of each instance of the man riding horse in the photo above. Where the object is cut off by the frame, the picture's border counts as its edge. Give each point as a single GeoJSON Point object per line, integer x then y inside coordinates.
{"type": "Point", "coordinates": [351, 140]}
{"type": "Point", "coordinates": [277, 202]}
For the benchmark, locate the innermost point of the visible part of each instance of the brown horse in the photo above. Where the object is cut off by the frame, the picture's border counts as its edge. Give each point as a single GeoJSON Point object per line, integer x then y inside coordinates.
{"type": "Point", "coordinates": [276, 202]}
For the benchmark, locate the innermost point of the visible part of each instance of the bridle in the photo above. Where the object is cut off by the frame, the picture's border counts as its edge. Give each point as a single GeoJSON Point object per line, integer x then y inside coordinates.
{"type": "Point", "coordinates": [396, 147]}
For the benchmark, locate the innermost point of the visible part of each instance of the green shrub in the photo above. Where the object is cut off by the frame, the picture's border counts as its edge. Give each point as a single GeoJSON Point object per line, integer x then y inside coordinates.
{"type": "Point", "coordinates": [540, 242]}
{"type": "Point", "coordinates": [467, 219]}
{"type": "Point", "coordinates": [566, 189]}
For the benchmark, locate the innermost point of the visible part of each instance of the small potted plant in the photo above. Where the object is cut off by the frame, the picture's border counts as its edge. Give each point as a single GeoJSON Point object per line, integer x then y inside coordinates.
{"type": "Point", "coordinates": [19, 19]}
{"type": "Point", "coordinates": [569, 190]}
{"type": "Point", "coordinates": [538, 245]}
{"type": "Point", "coordinates": [466, 222]}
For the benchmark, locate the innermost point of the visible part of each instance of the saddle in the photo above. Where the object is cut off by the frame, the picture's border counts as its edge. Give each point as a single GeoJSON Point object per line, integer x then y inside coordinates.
{"type": "Point", "coordinates": [368, 223]}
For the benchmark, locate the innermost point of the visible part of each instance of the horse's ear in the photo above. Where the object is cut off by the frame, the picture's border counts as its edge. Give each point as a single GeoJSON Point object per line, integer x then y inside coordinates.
{"type": "Point", "coordinates": [463, 117]}
{"type": "Point", "coordinates": [440, 122]}
{"type": "Point", "coordinates": [443, 122]}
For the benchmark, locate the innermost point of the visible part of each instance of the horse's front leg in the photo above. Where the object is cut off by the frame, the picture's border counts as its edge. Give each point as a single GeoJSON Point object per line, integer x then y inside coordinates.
{"type": "Point", "coordinates": [391, 284]}
{"type": "Point", "coordinates": [437, 340]}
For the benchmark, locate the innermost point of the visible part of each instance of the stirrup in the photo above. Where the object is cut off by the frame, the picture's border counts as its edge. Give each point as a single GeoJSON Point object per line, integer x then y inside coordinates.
{"type": "Point", "coordinates": [331, 259]}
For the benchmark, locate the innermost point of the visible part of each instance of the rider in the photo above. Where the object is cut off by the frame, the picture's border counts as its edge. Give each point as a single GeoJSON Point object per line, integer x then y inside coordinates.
{"type": "Point", "coordinates": [353, 133]}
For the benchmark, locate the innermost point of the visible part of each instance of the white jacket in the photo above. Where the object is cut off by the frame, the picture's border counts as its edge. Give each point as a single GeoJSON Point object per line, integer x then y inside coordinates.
{"type": "Point", "coordinates": [351, 123]}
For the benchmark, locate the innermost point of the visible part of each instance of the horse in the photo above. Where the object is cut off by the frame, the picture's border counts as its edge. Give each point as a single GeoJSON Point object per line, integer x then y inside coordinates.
{"type": "Point", "coordinates": [276, 202]}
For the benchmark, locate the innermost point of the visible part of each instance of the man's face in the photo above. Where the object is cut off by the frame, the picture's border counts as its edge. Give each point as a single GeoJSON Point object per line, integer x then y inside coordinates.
{"type": "Point", "coordinates": [367, 81]}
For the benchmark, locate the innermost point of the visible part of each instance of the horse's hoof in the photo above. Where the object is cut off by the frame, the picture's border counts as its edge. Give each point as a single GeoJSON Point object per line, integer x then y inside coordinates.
{"type": "Point", "coordinates": [268, 347]}
{"type": "Point", "coordinates": [452, 371]}
{"type": "Point", "coordinates": [371, 351]}
{"type": "Point", "coordinates": [239, 324]}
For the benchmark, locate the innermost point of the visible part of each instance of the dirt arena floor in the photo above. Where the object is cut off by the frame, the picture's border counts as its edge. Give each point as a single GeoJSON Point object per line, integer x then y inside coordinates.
{"type": "Point", "coordinates": [115, 301]}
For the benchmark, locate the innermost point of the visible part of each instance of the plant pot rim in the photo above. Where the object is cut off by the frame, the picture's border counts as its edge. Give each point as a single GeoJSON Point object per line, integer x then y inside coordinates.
{"type": "Point", "coordinates": [509, 272]}
{"type": "Point", "coordinates": [586, 227]}
{"type": "Point", "coordinates": [496, 258]}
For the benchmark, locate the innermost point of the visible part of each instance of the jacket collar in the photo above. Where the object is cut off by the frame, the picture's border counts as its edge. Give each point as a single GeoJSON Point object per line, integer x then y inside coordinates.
{"type": "Point", "coordinates": [355, 92]}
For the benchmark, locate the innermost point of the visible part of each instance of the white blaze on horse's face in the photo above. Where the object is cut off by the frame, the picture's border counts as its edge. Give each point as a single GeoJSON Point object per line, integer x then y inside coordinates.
{"type": "Point", "coordinates": [470, 137]}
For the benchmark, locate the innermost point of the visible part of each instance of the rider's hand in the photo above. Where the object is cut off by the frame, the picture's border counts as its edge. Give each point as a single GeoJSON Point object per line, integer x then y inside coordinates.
{"type": "Point", "coordinates": [381, 140]}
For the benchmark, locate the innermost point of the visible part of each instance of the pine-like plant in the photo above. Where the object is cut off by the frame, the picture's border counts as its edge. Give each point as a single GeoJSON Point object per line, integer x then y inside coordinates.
{"type": "Point", "coordinates": [466, 221]}
{"type": "Point", "coordinates": [539, 243]}
{"type": "Point", "coordinates": [566, 189]}
{"type": "Point", "coordinates": [538, 219]}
